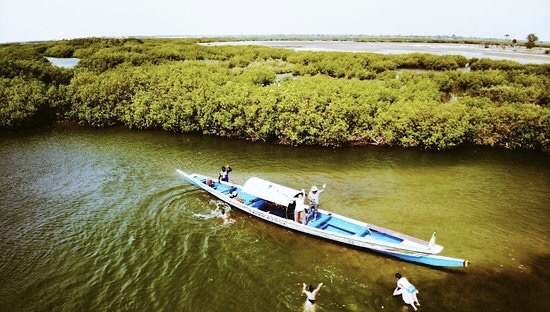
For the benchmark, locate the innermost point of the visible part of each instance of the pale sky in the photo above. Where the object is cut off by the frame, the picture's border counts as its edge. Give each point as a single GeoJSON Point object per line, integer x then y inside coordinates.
{"type": "Point", "coordinates": [31, 20]}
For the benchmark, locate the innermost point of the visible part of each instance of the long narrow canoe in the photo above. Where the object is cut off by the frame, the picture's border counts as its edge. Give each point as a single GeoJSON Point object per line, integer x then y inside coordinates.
{"type": "Point", "coordinates": [273, 202]}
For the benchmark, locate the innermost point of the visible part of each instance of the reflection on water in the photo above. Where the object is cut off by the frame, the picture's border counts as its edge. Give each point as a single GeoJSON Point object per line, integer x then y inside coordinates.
{"type": "Point", "coordinates": [98, 219]}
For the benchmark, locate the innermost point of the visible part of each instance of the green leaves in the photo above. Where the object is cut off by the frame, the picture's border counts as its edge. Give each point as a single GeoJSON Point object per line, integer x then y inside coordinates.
{"type": "Point", "coordinates": [259, 93]}
{"type": "Point", "coordinates": [22, 102]}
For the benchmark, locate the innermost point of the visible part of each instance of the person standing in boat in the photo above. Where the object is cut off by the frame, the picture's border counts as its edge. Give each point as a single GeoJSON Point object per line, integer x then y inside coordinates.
{"type": "Point", "coordinates": [299, 209]}
{"type": "Point", "coordinates": [406, 290]}
{"type": "Point", "coordinates": [309, 305]}
{"type": "Point", "coordinates": [224, 173]}
{"type": "Point", "coordinates": [313, 197]}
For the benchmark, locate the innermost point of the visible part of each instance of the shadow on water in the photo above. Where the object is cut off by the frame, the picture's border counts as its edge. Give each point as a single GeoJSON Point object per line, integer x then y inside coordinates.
{"type": "Point", "coordinates": [477, 288]}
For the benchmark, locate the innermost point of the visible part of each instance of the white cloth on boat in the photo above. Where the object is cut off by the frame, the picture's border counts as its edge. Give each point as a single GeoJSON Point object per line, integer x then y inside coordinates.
{"type": "Point", "coordinates": [269, 191]}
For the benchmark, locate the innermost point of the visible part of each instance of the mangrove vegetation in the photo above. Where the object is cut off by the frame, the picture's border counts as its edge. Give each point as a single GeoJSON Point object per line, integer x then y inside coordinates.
{"type": "Point", "coordinates": [278, 95]}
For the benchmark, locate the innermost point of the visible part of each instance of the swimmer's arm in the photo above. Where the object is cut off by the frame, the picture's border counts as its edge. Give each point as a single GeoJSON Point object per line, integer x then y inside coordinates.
{"type": "Point", "coordinates": [319, 287]}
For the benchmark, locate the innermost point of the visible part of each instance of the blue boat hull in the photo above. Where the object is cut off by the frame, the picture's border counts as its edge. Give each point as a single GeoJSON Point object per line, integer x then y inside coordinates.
{"type": "Point", "coordinates": [324, 224]}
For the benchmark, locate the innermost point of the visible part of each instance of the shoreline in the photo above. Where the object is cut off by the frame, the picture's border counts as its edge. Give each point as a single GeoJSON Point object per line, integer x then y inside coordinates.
{"type": "Point", "coordinates": [518, 54]}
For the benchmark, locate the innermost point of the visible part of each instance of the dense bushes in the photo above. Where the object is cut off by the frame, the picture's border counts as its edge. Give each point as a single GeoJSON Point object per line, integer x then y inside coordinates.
{"type": "Point", "coordinates": [29, 86]}
{"type": "Point", "coordinates": [22, 102]}
{"type": "Point", "coordinates": [324, 98]}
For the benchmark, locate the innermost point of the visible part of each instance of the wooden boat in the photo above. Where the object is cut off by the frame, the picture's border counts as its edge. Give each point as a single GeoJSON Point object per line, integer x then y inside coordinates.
{"type": "Point", "coordinates": [274, 203]}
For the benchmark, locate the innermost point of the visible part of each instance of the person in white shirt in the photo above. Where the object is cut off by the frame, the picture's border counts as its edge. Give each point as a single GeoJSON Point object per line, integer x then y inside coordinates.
{"type": "Point", "coordinates": [407, 290]}
{"type": "Point", "coordinates": [299, 210]}
{"type": "Point", "coordinates": [309, 305]}
{"type": "Point", "coordinates": [313, 197]}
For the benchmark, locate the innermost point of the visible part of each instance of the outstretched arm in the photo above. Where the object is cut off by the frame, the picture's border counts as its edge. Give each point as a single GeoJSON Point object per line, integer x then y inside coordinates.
{"type": "Point", "coordinates": [304, 290]}
{"type": "Point", "coordinates": [317, 289]}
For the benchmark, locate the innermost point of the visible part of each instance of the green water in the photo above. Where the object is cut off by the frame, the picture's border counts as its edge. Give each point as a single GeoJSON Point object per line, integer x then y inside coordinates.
{"type": "Point", "coordinates": [98, 220]}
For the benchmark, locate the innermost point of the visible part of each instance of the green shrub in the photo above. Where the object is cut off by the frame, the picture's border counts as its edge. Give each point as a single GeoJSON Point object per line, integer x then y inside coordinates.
{"type": "Point", "coordinates": [23, 103]}
{"type": "Point", "coordinates": [331, 98]}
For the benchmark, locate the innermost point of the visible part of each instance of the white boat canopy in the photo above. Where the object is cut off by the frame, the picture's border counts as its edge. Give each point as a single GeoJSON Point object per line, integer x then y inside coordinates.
{"type": "Point", "coordinates": [270, 191]}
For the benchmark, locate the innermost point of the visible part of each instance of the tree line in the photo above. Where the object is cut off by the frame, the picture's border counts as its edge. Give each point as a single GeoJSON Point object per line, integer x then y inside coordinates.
{"type": "Point", "coordinates": [278, 95]}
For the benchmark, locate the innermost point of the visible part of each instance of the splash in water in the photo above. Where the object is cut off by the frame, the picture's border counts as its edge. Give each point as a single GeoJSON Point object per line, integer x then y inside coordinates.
{"type": "Point", "coordinates": [226, 218]}
{"type": "Point", "coordinates": [222, 211]}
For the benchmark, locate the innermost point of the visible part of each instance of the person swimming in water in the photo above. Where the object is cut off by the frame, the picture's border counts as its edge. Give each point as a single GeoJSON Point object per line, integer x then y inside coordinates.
{"type": "Point", "coordinates": [225, 216]}
{"type": "Point", "coordinates": [309, 305]}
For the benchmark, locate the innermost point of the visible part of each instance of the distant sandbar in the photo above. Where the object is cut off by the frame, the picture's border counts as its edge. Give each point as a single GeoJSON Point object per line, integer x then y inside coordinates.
{"type": "Point", "coordinates": [518, 53]}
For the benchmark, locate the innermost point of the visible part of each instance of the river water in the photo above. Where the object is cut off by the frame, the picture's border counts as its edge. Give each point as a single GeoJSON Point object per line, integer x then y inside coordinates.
{"type": "Point", "coordinates": [98, 220]}
{"type": "Point", "coordinates": [64, 62]}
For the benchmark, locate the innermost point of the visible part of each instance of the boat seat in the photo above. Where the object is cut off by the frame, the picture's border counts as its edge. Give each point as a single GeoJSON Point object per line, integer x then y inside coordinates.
{"type": "Point", "coordinates": [319, 223]}
{"type": "Point", "coordinates": [248, 199]}
{"type": "Point", "coordinates": [259, 203]}
{"type": "Point", "coordinates": [227, 189]}
{"type": "Point", "coordinates": [363, 233]}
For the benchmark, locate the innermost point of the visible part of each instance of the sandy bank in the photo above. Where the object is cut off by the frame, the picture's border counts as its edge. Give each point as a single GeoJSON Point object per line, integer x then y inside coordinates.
{"type": "Point", "coordinates": [518, 54]}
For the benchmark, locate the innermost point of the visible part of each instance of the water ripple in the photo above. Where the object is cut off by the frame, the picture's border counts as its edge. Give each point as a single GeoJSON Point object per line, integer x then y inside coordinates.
{"type": "Point", "coordinates": [98, 220]}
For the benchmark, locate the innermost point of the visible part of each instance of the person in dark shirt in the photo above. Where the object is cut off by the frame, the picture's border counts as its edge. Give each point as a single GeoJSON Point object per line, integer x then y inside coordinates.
{"type": "Point", "coordinates": [224, 174]}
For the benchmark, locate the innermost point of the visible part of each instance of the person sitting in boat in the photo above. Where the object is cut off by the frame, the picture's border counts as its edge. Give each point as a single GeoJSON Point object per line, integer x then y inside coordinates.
{"type": "Point", "coordinates": [309, 305]}
{"type": "Point", "coordinates": [300, 207]}
{"type": "Point", "coordinates": [224, 173]}
{"type": "Point", "coordinates": [406, 290]}
{"type": "Point", "coordinates": [234, 195]}
{"type": "Point", "coordinates": [313, 197]}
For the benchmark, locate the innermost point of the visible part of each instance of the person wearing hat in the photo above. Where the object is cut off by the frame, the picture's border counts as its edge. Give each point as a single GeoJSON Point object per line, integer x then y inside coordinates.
{"type": "Point", "coordinates": [313, 197]}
